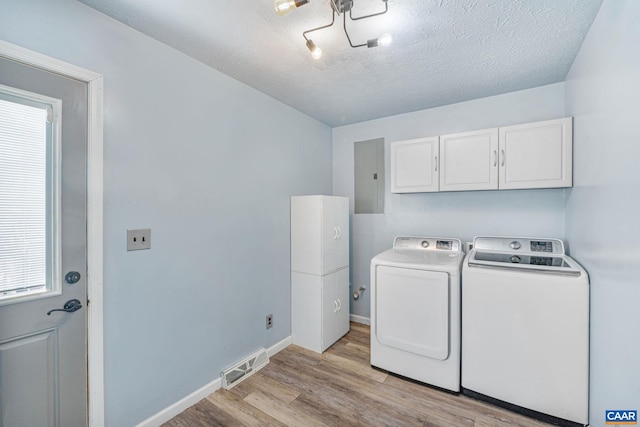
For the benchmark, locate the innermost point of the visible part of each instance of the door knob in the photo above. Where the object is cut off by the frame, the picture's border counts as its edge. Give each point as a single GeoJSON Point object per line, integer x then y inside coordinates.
{"type": "Point", "coordinates": [69, 307]}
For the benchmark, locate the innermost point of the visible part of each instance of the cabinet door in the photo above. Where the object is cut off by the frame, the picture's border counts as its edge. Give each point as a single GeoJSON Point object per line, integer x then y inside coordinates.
{"type": "Point", "coordinates": [335, 233]}
{"type": "Point", "coordinates": [340, 212]}
{"type": "Point", "coordinates": [536, 155]}
{"type": "Point", "coordinates": [335, 307]}
{"type": "Point", "coordinates": [307, 310]}
{"type": "Point", "coordinates": [306, 234]}
{"type": "Point", "coordinates": [469, 161]}
{"type": "Point", "coordinates": [414, 165]}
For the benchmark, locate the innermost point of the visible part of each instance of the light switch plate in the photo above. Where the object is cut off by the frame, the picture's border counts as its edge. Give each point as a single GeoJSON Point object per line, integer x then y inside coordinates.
{"type": "Point", "coordinates": [139, 239]}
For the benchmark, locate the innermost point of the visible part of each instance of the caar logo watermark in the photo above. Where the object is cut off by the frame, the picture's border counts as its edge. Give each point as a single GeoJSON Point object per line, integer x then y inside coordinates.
{"type": "Point", "coordinates": [620, 417]}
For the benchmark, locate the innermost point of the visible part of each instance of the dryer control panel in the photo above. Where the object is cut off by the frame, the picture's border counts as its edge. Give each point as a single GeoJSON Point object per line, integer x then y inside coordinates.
{"type": "Point", "coordinates": [427, 243]}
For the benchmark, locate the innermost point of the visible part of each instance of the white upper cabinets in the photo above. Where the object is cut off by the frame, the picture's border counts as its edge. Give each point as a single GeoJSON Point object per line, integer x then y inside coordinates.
{"type": "Point", "coordinates": [469, 161]}
{"type": "Point", "coordinates": [414, 165]}
{"type": "Point", "coordinates": [532, 155]}
{"type": "Point", "coordinates": [537, 155]}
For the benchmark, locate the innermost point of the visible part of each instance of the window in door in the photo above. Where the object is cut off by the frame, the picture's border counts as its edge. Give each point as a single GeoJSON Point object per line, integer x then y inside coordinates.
{"type": "Point", "coordinates": [29, 196]}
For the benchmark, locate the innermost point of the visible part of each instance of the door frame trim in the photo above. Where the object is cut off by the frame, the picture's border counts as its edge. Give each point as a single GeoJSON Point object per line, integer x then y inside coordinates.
{"type": "Point", "coordinates": [95, 336]}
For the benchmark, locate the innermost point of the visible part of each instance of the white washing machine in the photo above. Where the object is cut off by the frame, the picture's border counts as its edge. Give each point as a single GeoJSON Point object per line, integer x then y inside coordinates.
{"type": "Point", "coordinates": [525, 328]}
{"type": "Point", "coordinates": [415, 310]}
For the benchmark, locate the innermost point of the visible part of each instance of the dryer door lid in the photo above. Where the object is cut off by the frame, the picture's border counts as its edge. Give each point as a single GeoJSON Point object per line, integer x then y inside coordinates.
{"type": "Point", "coordinates": [412, 310]}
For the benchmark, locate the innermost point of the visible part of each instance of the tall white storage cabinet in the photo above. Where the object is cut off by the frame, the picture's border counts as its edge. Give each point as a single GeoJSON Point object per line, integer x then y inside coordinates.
{"type": "Point", "coordinates": [319, 270]}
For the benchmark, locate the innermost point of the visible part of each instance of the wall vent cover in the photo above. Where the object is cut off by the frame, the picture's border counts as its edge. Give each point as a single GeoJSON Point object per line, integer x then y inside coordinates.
{"type": "Point", "coordinates": [244, 369]}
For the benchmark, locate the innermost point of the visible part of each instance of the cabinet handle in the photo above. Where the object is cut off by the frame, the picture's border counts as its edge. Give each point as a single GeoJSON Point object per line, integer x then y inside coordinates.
{"type": "Point", "coordinates": [339, 304]}
{"type": "Point", "coordinates": [502, 152]}
{"type": "Point", "coordinates": [339, 232]}
{"type": "Point", "coordinates": [436, 163]}
{"type": "Point", "coordinates": [495, 158]}
{"type": "Point", "coordinates": [335, 233]}
{"type": "Point", "coordinates": [335, 305]}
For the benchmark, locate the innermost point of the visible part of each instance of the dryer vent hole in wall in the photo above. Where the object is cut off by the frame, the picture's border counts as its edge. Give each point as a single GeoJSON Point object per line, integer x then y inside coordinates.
{"type": "Point", "coordinates": [269, 321]}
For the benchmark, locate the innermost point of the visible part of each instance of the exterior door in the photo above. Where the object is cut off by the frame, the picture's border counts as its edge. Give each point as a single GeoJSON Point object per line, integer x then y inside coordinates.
{"type": "Point", "coordinates": [43, 354]}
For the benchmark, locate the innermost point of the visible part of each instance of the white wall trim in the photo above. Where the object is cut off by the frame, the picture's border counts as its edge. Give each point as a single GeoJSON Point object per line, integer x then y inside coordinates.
{"type": "Point", "coordinates": [186, 402]}
{"type": "Point", "coordinates": [94, 213]}
{"type": "Point", "coordinates": [279, 346]}
{"type": "Point", "coordinates": [181, 405]}
{"type": "Point", "coordinates": [360, 319]}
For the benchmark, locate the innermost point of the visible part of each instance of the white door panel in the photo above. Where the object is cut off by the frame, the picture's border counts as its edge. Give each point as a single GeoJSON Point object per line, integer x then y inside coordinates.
{"type": "Point", "coordinates": [536, 155]}
{"type": "Point", "coordinates": [44, 356]}
{"type": "Point", "coordinates": [412, 311]}
{"type": "Point", "coordinates": [469, 161]}
{"type": "Point", "coordinates": [414, 165]}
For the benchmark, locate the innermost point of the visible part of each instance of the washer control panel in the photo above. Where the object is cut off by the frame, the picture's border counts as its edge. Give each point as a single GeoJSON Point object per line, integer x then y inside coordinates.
{"type": "Point", "coordinates": [427, 243]}
{"type": "Point", "coordinates": [519, 245]}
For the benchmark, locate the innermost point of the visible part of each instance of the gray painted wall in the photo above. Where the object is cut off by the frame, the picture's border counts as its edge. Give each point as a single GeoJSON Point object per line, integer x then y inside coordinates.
{"type": "Point", "coordinates": [602, 93]}
{"type": "Point", "coordinates": [538, 213]}
{"type": "Point", "coordinates": [209, 164]}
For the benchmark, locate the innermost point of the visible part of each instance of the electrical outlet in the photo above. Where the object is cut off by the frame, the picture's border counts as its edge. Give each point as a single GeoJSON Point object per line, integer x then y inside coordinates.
{"type": "Point", "coordinates": [139, 239]}
{"type": "Point", "coordinates": [269, 321]}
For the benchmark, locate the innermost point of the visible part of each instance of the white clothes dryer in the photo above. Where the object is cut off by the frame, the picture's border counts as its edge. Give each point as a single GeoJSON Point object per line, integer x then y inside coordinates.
{"type": "Point", "coordinates": [415, 310]}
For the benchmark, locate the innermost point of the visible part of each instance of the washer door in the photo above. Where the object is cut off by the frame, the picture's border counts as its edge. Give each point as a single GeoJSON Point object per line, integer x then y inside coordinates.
{"type": "Point", "coordinates": [412, 310]}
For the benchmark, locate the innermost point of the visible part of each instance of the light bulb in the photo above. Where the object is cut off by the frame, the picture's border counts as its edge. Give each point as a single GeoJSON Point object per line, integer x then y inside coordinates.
{"type": "Point", "coordinates": [385, 40]}
{"type": "Point", "coordinates": [316, 52]}
{"type": "Point", "coordinates": [282, 7]}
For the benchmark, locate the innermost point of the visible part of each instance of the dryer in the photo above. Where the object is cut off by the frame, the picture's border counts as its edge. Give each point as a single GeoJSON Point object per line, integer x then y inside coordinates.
{"type": "Point", "coordinates": [415, 310]}
{"type": "Point", "coordinates": [525, 328]}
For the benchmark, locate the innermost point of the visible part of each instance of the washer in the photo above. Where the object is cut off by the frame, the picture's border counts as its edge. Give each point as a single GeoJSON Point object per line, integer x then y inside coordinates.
{"type": "Point", "coordinates": [525, 328]}
{"type": "Point", "coordinates": [415, 310]}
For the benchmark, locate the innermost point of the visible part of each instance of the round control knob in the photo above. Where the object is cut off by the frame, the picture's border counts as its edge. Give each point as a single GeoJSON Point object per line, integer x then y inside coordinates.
{"type": "Point", "coordinates": [425, 244]}
{"type": "Point", "coordinates": [515, 245]}
{"type": "Point", "coordinates": [515, 259]}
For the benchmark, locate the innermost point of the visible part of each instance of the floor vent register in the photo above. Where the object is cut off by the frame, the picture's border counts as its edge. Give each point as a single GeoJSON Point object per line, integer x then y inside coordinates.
{"type": "Point", "coordinates": [244, 369]}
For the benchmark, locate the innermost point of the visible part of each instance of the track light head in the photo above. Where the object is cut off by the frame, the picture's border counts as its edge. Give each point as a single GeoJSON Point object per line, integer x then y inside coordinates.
{"type": "Point", "coordinates": [384, 40]}
{"type": "Point", "coordinates": [282, 7]}
{"type": "Point", "coordinates": [316, 52]}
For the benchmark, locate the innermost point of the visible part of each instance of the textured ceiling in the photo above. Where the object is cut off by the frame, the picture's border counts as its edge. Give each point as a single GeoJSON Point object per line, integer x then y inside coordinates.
{"type": "Point", "coordinates": [443, 51]}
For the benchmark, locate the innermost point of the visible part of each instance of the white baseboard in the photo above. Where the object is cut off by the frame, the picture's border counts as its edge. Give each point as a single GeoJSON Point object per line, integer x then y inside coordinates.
{"type": "Point", "coordinates": [279, 346]}
{"type": "Point", "coordinates": [360, 319]}
{"type": "Point", "coordinates": [186, 402]}
{"type": "Point", "coordinates": [181, 405]}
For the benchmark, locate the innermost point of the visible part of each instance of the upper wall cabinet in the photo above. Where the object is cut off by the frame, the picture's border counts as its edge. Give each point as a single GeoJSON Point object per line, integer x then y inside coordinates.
{"type": "Point", "coordinates": [537, 155]}
{"type": "Point", "coordinates": [414, 165]}
{"type": "Point", "coordinates": [532, 155]}
{"type": "Point", "coordinates": [469, 160]}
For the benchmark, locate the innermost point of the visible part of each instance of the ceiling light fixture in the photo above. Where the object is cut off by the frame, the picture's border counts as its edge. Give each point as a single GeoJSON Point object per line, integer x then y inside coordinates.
{"type": "Point", "coordinates": [283, 7]}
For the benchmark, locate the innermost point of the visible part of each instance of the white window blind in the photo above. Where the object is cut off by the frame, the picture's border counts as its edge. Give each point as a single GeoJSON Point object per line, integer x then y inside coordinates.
{"type": "Point", "coordinates": [23, 198]}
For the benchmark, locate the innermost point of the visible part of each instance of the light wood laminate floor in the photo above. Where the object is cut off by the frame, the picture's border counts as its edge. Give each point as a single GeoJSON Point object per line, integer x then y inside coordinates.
{"type": "Point", "coordinates": [339, 388]}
